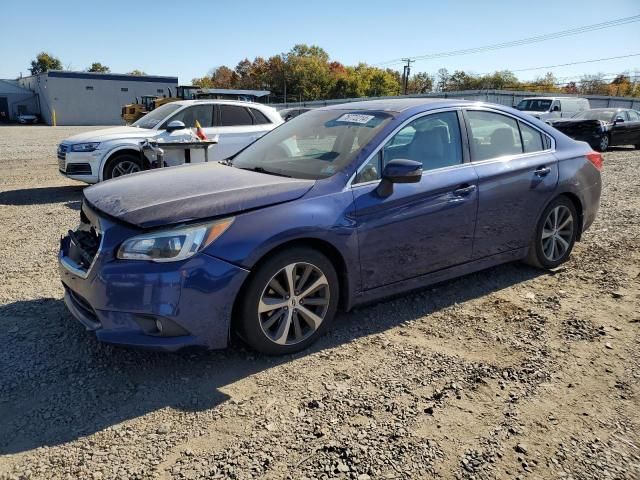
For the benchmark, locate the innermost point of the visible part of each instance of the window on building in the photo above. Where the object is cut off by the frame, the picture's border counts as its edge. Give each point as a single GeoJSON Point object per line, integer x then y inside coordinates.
{"type": "Point", "coordinates": [88, 87]}
{"type": "Point", "coordinates": [124, 89]}
{"type": "Point", "coordinates": [160, 90]}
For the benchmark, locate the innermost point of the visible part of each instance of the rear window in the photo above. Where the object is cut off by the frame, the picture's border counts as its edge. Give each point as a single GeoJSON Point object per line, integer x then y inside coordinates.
{"type": "Point", "coordinates": [494, 135]}
{"type": "Point", "coordinates": [259, 118]}
{"type": "Point", "coordinates": [234, 116]}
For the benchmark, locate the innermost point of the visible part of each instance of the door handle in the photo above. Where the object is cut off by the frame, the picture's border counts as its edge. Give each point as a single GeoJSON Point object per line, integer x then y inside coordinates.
{"type": "Point", "coordinates": [542, 171]}
{"type": "Point", "coordinates": [464, 191]}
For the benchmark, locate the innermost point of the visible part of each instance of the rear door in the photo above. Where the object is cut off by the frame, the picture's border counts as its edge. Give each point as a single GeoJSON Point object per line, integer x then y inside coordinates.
{"type": "Point", "coordinates": [517, 175]}
{"type": "Point", "coordinates": [421, 227]}
{"type": "Point", "coordinates": [634, 127]}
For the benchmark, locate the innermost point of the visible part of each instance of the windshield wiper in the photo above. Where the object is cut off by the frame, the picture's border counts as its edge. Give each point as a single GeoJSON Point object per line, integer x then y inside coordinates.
{"type": "Point", "coordinates": [262, 170]}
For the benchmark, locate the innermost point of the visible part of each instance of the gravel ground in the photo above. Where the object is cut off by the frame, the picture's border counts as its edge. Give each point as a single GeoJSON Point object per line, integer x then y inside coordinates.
{"type": "Point", "coordinates": [507, 373]}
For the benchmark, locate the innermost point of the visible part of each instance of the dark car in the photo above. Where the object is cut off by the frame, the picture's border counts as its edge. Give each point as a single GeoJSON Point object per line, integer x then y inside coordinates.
{"type": "Point", "coordinates": [341, 206]}
{"type": "Point", "coordinates": [602, 127]}
{"type": "Point", "coordinates": [290, 113]}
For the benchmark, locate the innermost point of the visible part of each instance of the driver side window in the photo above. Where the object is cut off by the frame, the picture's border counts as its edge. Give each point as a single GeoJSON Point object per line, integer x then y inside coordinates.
{"type": "Point", "coordinates": [433, 140]}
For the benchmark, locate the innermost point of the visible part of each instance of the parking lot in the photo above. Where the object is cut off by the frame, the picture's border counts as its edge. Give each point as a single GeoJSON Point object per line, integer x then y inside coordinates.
{"type": "Point", "coordinates": [504, 373]}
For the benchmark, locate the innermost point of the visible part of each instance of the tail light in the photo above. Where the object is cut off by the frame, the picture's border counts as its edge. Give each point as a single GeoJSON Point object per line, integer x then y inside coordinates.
{"type": "Point", "coordinates": [596, 159]}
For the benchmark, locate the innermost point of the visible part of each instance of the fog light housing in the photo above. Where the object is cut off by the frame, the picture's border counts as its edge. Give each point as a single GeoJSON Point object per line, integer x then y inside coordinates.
{"type": "Point", "coordinates": [169, 328]}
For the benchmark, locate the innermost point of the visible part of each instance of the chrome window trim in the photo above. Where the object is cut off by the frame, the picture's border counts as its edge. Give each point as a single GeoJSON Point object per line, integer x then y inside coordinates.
{"type": "Point", "coordinates": [552, 149]}
{"type": "Point", "coordinates": [504, 158]}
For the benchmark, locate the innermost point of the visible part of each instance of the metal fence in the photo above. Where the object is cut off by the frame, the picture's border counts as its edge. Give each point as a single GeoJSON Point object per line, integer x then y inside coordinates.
{"type": "Point", "coordinates": [503, 97]}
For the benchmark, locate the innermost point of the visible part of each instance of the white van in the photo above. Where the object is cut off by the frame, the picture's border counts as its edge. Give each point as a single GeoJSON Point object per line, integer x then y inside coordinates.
{"type": "Point", "coordinates": [545, 108]}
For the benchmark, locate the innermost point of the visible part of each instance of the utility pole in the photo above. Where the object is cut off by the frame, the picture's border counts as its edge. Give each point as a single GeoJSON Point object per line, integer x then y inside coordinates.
{"type": "Point", "coordinates": [407, 72]}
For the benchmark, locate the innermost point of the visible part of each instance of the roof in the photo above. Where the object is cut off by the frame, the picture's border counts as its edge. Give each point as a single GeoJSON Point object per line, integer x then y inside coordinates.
{"type": "Point", "coordinates": [110, 76]}
{"type": "Point", "coordinates": [223, 101]}
{"type": "Point", "coordinates": [12, 87]}
{"type": "Point", "coordinates": [227, 91]}
{"type": "Point", "coordinates": [396, 104]}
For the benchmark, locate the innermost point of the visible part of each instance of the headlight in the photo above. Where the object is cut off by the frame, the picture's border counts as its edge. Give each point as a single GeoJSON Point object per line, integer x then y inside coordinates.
{"type": "Point", "coordinates": [85, 147]}
{"type": "Point", "coordinates": [172, 245]}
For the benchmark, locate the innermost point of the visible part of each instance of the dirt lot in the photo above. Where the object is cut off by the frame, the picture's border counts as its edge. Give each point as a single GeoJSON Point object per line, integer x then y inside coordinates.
{"type": "Point", "coordinates": [511, 372]}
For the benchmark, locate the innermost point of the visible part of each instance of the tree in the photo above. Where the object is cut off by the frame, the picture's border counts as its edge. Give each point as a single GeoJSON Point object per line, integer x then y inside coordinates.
{"type": "Point", "coordinates": [98, 67]}
{"type": "Point", "coordinates": [443, 80]}
{"type": "Point", "coordinates": [44, 62]}
{"type": "Point", "coordinates": [420, 83]}
{"type": "Point", "coordinates": [136, 72]}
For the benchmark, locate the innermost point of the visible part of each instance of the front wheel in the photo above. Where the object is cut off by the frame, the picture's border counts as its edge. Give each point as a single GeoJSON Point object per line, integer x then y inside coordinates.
{"type": "Point", "coordinates": [289, 302]}
{"type": "Point", "coordinates": [555, 234]}
{"type": "Point", "coordinates": [122, 165]}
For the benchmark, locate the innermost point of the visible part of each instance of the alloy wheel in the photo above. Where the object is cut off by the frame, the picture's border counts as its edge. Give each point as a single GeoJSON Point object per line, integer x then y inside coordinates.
{"type": "Point", "coordinates": [125, 168]}
{"type": "Point", "coordinates": [294, 303]}
{"type": "Point", "coordinates": [604, 143]}
{"type": "Point", "coordinates": [557, 233]}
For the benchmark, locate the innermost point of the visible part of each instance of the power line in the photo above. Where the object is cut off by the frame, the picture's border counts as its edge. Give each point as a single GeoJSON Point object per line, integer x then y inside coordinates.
{"type": "Point", "coordinates": [524, 41]}
{"type": "Point", "coordinates": [576, 63]}
{"type": "Point", "coordinates": [565, 64]}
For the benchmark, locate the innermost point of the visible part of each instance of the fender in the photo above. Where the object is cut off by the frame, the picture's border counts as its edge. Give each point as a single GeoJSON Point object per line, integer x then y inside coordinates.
{"type": "Point", "coordinates": [119, 148]}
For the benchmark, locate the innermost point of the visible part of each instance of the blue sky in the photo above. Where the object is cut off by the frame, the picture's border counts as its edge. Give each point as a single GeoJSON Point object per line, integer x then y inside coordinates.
{"type": "Point", "coordinates": [190, 38]}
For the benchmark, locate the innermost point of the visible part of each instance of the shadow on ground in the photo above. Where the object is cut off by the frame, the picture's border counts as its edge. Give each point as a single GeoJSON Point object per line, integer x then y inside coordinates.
{"type": "Point", "coordinates": [57, 383]}
{"type": "Point", "coordinates": [40, 196]}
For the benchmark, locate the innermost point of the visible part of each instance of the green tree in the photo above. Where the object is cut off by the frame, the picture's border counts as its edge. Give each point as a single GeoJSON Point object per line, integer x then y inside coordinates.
{"type": "Point", "coordinates": [136, 72]}
{"type": "Point", "coordinates": [44, 62]}
{"type": "Point", "coordinates": [98, 67]}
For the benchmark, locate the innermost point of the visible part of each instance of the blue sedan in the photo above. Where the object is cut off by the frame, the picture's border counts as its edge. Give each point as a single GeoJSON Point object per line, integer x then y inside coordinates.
{"type": "Point", "coordinates": [340, 206]}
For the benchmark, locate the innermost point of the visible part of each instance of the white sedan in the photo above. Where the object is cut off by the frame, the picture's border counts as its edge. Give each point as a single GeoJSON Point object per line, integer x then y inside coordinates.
{"type": "Point", "coordinates": [103, 154]}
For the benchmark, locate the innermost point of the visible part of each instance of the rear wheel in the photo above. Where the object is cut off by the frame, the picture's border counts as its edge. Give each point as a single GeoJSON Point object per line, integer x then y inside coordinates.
{"type": "Point", "coordinates": [555, 234]}
{"type": "Point", "coordinates": [120, 165]}
{"type": "Point", "coordinates": [289, 302]}
{"type": "Point", "coordinates": [603, 144]}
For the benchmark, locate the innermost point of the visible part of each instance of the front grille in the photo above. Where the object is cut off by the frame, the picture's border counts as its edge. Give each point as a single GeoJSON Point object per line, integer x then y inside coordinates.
{"type": "Point", "coordinates": [77, 168]}
{"type": "Point", "coordinates": [84, 246]}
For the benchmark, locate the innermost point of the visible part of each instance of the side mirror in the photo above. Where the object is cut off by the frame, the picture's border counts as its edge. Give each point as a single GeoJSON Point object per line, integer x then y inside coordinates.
{"type": "Point", "coordinates": [175, 125]}
{"type": "Point", "coordinates": [618, 120]}
{"type": "Point", "coordinates": [399, 171]}
{"type": "Point", "coordinates": [556, 108]}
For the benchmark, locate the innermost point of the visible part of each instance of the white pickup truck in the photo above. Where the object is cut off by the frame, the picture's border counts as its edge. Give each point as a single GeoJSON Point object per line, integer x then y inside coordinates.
{"type": "Point", "coordinates": [103, 154]}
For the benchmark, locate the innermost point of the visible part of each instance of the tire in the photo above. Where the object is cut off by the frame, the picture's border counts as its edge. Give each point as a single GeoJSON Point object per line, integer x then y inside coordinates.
{"type": "Point", "coordinates": [123, 164]}
{"type": "Point", "coordinates": [295, 323]}
{"type": "Point", "coordinates": [557, 244]}
{"type": "Point", "coordinates": [603, 145]}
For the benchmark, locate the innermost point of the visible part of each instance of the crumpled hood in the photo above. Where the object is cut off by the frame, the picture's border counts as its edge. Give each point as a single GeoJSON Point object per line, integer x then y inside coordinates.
{"type": "Point", "coordinates": [114, 133]}
{"type": "Point", "coordinates": [190, 192]}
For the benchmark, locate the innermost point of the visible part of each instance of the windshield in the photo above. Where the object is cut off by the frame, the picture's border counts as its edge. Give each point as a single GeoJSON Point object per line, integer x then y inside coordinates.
{"type": "Point", "coordinates": [154, 117]}
{"type": "Point", "coordinates": [314, 145]}
{"type": "Point", "coordinates": [534, 105]}
{"type": "Point", "coordinates": [604, 115]}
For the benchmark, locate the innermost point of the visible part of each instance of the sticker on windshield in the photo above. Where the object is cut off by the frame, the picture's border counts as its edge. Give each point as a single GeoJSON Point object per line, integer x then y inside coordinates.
{"type": "Point", "coordinates": [355, 118]}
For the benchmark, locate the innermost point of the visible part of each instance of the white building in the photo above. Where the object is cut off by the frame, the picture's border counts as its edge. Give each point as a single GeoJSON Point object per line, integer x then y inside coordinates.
{"type": "Point", "coordinates": [87, 98]}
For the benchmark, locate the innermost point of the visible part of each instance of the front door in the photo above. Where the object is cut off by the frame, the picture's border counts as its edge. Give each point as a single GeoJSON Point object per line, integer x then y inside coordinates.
{"type": "Point", "coordinates": [420, 227]}
{"type": "Point", "coordinates": [517, 175]}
